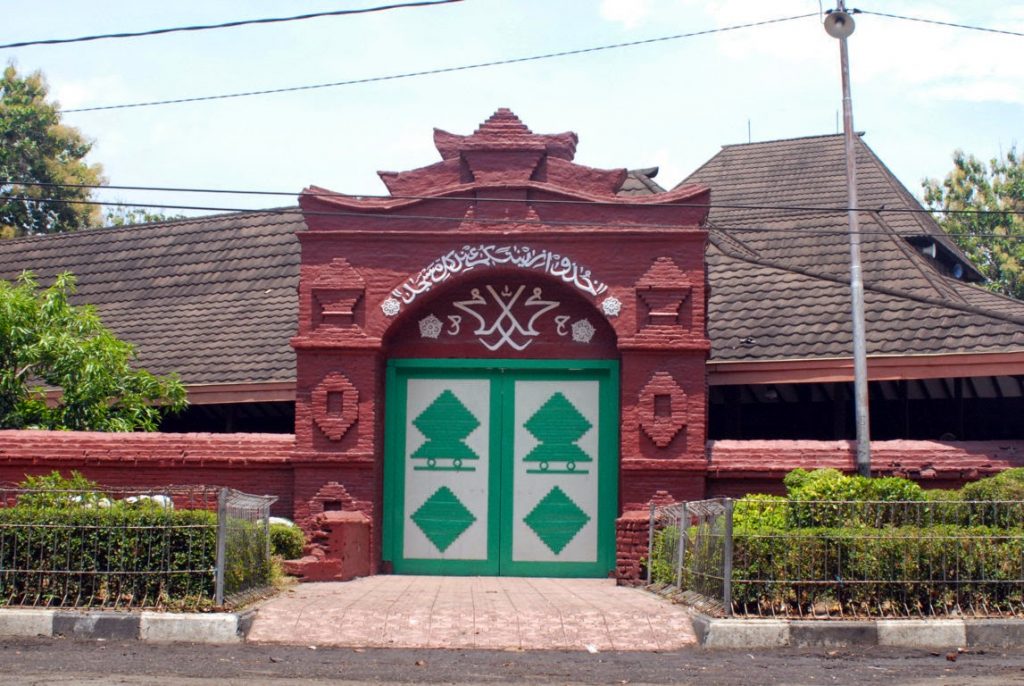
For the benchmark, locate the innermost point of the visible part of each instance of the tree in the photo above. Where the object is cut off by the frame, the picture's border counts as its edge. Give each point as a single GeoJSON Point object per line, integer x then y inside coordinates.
{"type": "Point", "coordinates": [46, 342]}
{"type": "Point", "coordinates": [35, 146]}
{"type": "Point", "coordinates": [123, 215]}
{"type": "Point", "coordinates": [993, 242]}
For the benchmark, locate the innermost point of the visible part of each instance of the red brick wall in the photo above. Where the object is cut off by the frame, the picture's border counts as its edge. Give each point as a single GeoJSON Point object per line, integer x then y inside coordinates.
{"type": "Point", "coordinates": [254, 463]}
{"type": "Point", "coordinates": [737, 467]}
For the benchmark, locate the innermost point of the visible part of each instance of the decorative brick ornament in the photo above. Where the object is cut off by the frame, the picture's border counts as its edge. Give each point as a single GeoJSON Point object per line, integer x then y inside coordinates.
{"type": "Point", "coordinates": [335, 425]}
{"type": "Point", "coordinates": [662, 409]}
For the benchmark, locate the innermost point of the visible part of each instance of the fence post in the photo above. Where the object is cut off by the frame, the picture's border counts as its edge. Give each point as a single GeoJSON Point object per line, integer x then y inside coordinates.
{"type": "Point", "coordinates": [727, 561]}
{"type": "Point", "coordinates": [650, 542]}
{"type": "Point", "coordinates": [684, 522]}
{"type": "Point", "coordinates": [222, 536]}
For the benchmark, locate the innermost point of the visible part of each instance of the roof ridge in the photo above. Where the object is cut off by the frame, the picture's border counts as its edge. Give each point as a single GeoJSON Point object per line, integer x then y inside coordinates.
{"type": "Point", "coordinates": [916, 259]}
{"type": "Point", "coordinates": [270, 211]}
{"type": "Point", "coordinates": [860, 134]}
{"type": "Point", "coordinates": [928, 225]}
{"type": "Point", "coordinates": [964, 307]}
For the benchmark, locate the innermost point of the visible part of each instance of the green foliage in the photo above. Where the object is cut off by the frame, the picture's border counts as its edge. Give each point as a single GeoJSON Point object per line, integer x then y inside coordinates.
{"type": "Point", "coordinates": [121, 215]}
{"type": "Point", "coordinates": [868, 571]}
{"type": "Point", "coordinates": [45, 341]}
{"type": "Point", "coordinates": [847, 545]}
{"type": "Point", "coordinates": [992, 493]}
{"type": "Point", "coordinates": [663, 559]}
{"type": "Point", "coordinates": [247, 565]}
{"type": "Point", "coordinates": [35, 146]}
{"type": "Point", "coordinates": [1007, 485]}
{"type": "Point", "coordinates": [759, 511]}
{"type": "Point", "coordinates": [55, 490]}
{"type": "Point", "coordinates": [126, 556]}
{"type": "Point", "coordinates": [996, 187]}
{"type": "Point", "coordinates": [286, 541]}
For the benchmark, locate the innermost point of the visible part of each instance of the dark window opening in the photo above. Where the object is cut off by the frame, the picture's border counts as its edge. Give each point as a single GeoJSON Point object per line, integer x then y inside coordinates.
{"type": "Point", "coordinates": [955, 409]}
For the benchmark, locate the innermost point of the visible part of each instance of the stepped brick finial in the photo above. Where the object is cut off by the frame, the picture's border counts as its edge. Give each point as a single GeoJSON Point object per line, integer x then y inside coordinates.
{"type": "Point", "coordinates": [503, 122]}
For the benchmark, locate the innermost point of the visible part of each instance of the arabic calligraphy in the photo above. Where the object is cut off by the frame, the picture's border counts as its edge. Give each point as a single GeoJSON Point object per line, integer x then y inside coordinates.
{"type": "Point", "coordinates": [470, 257]}
{"type": "Point", "coordinates": [506, 329]}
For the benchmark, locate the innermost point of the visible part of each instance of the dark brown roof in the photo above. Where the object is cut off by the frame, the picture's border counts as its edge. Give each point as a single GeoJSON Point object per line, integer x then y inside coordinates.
{"type": "Point", "coordinates": [213, 299]}
{"type": "Point", "coordinates": [641, 182]}
{"type": "Point", "coordinates": [780, 278]}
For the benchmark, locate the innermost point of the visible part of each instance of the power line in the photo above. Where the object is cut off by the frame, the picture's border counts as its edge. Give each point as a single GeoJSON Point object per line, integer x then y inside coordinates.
{"type": "Point", "coordinates": [228, 24]}
{"type": "Point", "coordinates": [439, 70]}
{"type": "Point", "coordinates": [942, 23]}
{"type": "Point", "coordinates": [284, 211]}
{"type": "Point", "coordinates": [534, 201]}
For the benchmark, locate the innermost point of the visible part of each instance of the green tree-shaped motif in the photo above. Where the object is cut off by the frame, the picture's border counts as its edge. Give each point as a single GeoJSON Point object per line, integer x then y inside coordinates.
{"type": "Point", "coordinates": [557, 425]}
{"type": "Point", "coordinates": [446, 423]}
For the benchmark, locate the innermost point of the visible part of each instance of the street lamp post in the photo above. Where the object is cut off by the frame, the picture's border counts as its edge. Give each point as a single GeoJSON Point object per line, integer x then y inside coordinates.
{"type": "Point", "coordinates": [840, 25]}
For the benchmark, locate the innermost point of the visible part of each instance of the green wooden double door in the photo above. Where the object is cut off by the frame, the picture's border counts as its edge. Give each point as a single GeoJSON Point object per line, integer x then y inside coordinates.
{"type": "Point", "coordinates": [501, 467]}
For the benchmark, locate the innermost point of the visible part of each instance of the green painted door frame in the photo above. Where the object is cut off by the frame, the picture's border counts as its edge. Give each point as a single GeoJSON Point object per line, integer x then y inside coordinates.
{"type": "Point", "coordinates": [501, 375]}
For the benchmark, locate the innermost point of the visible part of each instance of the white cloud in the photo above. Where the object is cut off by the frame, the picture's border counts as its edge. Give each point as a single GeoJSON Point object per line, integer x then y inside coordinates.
{"type": "Point", "coordinates": [85, 92]}
{"type": "Point", "coordinates": [629, 13]}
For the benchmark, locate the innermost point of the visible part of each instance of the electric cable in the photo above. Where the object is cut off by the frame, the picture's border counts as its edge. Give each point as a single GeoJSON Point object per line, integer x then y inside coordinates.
{"type": "Point", "coordinates": [1006, 32]}
{"type": "Point", "coordinates": [476, 220]}
{"type": "Point", "coordinates": [535, 201]}
{"type": "Point", "coordinates": [228, 24]}
{"type": "Point", "coordinates": [438, 70]}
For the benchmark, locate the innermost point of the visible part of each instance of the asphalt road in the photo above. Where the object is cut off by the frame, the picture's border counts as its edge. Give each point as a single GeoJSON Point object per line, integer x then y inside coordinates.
{"type": "Point", "coordinates": [65, 662]}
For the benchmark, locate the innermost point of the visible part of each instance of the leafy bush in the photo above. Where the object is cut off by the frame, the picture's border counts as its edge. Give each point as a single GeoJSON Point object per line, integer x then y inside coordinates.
{"type": "Point", "coordinates": [126, 556]}
{"type": "Point", "coordinates": [897, 570]}
{"type": "Point", "coordinates": [247, 564]}
{"type": "Point", "coordinates": [56, 490]}
{"type": "Point", "coordinates": [286, 541]}
{"type": "Point", "coordinates": [759, 511]}
{"type": "Point", "coordinates": [847, 545]}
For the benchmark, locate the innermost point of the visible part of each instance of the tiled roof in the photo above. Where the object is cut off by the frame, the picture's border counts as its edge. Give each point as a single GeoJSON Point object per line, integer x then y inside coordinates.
{"type": "Point", "coordinates": [641, 182]}
{"type": "Point", "coordinates": [780, 278]}
{"type": "Point", "coordinates": [213, 299]}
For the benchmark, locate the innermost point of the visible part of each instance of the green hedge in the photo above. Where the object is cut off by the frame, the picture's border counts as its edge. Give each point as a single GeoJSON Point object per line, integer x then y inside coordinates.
{"type": "Point", "coordinates": [897, 570]}
{"type": "Point", "coordinates": [840, 544]}
{"type": "Point", "coordinates": [286, 541]}
{"type": "Point", "coordinates": [118, 556]}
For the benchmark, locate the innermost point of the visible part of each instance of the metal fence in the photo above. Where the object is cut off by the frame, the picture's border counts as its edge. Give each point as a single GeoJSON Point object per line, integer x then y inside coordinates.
{"type": "Point", "coordinates": [825, 559]}
{"type": "Point", "coordinates": [178, 547]}
{"type": "Point", "coordinates": [691, 548]}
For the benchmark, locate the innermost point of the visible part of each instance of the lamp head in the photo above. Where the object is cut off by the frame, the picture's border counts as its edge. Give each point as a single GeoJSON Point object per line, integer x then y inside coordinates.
{"type": "Point", "coordinates": [839, 24]}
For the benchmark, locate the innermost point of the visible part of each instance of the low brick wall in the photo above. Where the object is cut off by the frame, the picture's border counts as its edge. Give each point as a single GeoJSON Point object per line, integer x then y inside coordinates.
{"type": "Point", "coordinates": [736, 467]}
{"type": "Point", "coordinates": [269, 464]}
{"type": "Point", "coordinates": [254, 463]}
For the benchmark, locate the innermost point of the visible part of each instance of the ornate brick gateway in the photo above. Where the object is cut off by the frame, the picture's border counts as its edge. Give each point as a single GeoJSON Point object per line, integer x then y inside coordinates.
{"type": "Point", "coordinates": [503, 357]}
{"type": "Point", "coordinates": [501, 364]}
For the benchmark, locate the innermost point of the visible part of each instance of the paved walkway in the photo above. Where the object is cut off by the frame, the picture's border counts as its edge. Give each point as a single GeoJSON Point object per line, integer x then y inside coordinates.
{"type": "Point", "coordinates": [473, 612]}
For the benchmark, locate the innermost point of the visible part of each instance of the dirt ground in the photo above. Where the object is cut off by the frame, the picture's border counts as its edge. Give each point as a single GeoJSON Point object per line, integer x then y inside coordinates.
{"type": "Point", "coordinates": [60, 661]}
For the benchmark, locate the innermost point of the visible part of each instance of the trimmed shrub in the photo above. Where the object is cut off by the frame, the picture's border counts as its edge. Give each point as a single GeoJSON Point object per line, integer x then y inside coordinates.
{"type": "Point", "coordinates": [286, 541]}
{"type": "Point", "coordinates": [117, 556]}
{"type": "Point", "coordinates": [760, 511]}
{"type": "Point", "coordinates": [897, 570]}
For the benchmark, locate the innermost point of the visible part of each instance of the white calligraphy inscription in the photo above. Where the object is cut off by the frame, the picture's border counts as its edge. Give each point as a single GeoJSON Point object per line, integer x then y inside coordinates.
{"type": "Point", "coordinates": [506, 329]}
{"type": "Point", "coordinates": [470, 257]}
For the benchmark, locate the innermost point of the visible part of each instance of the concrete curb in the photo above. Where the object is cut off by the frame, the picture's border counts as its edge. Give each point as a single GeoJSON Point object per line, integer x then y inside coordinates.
{"type": "Point", "coordinates": [222, 627]}
{"type": "Point", "coordinates": [907, 633]}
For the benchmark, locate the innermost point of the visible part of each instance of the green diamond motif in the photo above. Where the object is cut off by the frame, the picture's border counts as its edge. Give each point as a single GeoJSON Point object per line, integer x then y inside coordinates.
{"type": "Point", "coordinates": [443, 518]}
{"type": "Point", "coordinates": [556, 520]}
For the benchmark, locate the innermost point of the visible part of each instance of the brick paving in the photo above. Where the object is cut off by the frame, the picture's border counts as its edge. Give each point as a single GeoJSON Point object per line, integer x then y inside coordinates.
{"type": "Point", "coordinates": [473, 612]}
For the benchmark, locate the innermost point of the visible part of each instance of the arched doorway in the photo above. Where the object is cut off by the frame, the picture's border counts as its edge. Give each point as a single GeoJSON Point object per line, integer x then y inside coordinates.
{"type": "Point", "coordinates": [501, 433]}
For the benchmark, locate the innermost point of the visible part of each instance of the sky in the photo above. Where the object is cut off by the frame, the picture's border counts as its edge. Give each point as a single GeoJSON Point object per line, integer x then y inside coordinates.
{"type": "Point", "coordinates": [920, 91]}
